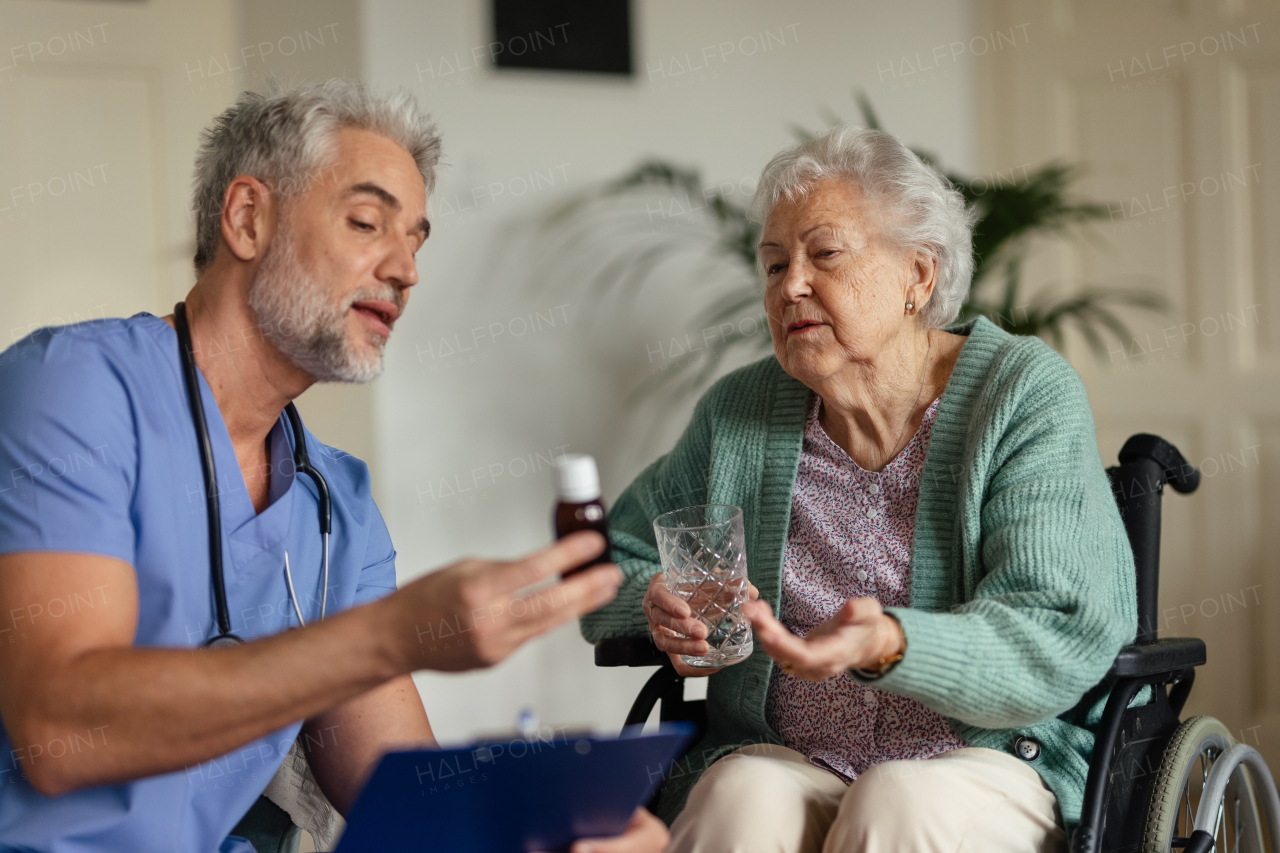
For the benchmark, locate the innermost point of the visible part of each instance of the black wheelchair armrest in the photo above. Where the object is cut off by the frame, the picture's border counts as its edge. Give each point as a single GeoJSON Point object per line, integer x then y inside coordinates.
{"type": "Point", "coordinates": [1143, 661]}
{"type": "Point", "coordinates": [629, 651]}
{"type": "Point", "coordinates": [665, 688]}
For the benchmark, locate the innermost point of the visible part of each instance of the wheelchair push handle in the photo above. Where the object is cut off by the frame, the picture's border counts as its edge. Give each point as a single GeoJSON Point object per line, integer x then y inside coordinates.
{"type": "Point", "coordinates": [1147, 462]}
{"type": "Point", "coordinates": [1174, 469]}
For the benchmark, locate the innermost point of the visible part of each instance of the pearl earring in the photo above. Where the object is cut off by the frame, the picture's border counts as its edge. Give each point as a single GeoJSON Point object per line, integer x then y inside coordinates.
{"type": "Point", "coordinates": [910, 305]}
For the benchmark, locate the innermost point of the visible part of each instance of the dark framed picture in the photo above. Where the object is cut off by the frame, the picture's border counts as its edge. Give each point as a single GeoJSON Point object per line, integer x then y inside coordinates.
{"type": "Point", "coordinates": [591, 36]}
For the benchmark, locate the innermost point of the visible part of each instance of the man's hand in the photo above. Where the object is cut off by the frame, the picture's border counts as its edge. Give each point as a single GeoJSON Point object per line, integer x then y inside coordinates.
{"type": "Point", "coordinates": [675, 629]}
{"type": "Point", "coordinates": [470, 615]}
{"type": "Point", "coordinates": [858, 636]}
{"type": "Point", "coordinates": [645, 834]}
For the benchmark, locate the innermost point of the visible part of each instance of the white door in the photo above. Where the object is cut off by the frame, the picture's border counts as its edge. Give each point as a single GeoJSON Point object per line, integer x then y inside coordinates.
{"type": "Point", "coordinates": [1173, 108]}
{"type": "Point", "coordinates": [101, 106]}
{"type": "Point", "coordinates": [101, 121]}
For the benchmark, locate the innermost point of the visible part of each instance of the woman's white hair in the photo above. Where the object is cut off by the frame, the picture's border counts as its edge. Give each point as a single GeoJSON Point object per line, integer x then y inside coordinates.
{"type": "Point", "coordinates": [285, 137]}
{"type": "Point", "coordinates": [924, 210]}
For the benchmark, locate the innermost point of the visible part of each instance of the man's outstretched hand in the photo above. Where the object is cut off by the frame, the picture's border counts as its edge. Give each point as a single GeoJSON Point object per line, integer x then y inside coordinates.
{"type": "Point", "coordinates": [471, 614]}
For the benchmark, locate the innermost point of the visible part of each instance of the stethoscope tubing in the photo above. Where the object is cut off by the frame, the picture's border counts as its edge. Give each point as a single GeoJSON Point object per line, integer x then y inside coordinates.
{"type": "Point", "coordinates": [301, 463]}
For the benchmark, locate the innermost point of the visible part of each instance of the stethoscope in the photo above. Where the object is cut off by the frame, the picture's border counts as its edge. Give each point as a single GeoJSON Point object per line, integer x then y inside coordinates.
{"type": "Point", "coordinates": [301, 464]}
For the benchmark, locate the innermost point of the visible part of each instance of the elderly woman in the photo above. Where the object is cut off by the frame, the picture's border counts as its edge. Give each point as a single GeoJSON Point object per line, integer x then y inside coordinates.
{"type": "Point", "coordinates": [943, 574]}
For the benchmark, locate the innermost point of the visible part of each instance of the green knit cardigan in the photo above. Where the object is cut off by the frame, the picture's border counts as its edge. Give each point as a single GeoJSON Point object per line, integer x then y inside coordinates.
{"type": "Point", "coordinates": [1022, 578]}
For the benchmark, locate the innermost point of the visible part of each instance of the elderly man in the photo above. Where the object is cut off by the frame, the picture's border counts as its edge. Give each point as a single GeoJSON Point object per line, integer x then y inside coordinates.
{"type": "Point", "coordinates": [144, 708]}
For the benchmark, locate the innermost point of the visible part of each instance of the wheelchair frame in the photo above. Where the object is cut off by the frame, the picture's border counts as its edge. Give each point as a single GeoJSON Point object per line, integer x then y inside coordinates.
{"type": "Point", "coordinates": [1130, 741]}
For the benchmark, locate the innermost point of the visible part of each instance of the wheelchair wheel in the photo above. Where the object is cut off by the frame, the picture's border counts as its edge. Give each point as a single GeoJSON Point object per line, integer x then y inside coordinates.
{"type": "Point", "coordinates": [1175, 797]}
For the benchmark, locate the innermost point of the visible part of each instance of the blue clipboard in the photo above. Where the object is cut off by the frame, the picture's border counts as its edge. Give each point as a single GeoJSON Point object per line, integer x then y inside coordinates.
{"type": "Point", "coordinates": [517, 795]}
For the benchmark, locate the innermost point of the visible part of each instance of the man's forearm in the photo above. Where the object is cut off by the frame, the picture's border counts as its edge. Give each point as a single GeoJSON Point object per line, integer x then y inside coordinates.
{"type": "Point", "coordinates": [344, 743]}
{"type": "Point", "coordinates": [161, 710]}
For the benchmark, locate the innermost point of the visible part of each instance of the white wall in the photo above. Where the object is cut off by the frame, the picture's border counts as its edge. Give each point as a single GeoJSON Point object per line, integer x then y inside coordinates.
{"type": "Point", "coordinates": [512, 398]}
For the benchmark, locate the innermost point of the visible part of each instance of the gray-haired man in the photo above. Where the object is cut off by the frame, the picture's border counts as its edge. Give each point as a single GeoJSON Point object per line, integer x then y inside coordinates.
{"type": "Point", "coordinates": [123, 732]}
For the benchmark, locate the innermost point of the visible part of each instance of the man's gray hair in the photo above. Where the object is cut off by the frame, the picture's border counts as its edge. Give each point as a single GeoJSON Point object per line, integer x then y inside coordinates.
{"type": "Point", "coordinates": [284, 137]}
{"type": "Point", "coordinates": [924, 211]}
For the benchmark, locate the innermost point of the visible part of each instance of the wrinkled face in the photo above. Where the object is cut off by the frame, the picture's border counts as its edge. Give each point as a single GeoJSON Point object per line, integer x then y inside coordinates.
{"type": "Point", "coordinates": [835, 289]}
{"type": "Point", "coordinates": [337, 273]}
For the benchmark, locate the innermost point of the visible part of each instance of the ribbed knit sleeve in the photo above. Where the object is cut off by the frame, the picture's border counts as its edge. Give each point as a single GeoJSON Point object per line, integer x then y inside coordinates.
{"type": "Point", "coordinates": [676, 480]}
{"type": "Point", "coordinates": [1047, 593]}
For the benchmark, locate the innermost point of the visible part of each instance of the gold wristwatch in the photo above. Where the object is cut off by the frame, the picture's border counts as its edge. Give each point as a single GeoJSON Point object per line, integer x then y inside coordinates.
{"type": "Point", "coordinates": [889, 661]}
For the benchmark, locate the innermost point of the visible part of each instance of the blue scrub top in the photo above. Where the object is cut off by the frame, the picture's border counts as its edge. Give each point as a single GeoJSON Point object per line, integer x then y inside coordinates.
{"type": "Point", "coordinates": [98, 454]}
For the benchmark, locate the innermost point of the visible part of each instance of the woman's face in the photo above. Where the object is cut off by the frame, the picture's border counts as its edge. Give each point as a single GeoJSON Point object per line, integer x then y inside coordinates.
{"type": "Point", "coordinates": [835, 289]}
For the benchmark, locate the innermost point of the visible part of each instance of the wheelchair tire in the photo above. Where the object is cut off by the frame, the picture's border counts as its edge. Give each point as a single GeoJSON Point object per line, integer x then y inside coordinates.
{"type": "Point", "coordinates": [1195, 745]}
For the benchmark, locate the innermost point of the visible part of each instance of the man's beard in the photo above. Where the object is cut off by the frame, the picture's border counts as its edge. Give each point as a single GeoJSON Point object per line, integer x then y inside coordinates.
{"type": "Point", "coordinates": [294, 316]}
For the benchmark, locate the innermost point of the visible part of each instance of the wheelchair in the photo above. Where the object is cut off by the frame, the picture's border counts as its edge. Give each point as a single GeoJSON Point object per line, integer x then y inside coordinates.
{"type": "Point", "coordinates": [1156, 784]}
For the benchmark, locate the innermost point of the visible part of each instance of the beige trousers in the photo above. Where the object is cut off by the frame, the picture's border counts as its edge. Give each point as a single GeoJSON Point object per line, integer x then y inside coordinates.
{"type": "Point", "coordinates": [766, 797]}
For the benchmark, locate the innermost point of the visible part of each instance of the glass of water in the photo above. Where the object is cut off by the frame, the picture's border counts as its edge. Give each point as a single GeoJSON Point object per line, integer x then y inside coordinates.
{"type": "Point", "coordinates": [704, 561]}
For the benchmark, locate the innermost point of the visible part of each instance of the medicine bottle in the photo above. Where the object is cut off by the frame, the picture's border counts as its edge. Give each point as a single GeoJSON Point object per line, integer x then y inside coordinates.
{"type": "Point", "coordinates": [579, 506]}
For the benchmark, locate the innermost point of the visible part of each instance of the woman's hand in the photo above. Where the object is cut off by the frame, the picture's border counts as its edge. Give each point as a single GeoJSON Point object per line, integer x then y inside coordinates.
{"type": "Point", "coordinates": [858, 636]}
{"type": "Point", "coordinates": [675, 629]}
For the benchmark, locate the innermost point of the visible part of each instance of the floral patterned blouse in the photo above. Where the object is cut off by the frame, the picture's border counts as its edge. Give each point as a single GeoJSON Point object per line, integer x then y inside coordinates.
{"type": "Point", "coordinates": [850, 536]}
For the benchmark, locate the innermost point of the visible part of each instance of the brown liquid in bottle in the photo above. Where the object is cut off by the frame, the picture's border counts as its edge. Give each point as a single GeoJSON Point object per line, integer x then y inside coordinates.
{"type": "Point", "coordinates": [580, 506]}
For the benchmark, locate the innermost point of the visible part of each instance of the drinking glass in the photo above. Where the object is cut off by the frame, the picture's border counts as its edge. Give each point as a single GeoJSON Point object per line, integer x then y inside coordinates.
{"type": "Point", "coordinates": [704, 561]}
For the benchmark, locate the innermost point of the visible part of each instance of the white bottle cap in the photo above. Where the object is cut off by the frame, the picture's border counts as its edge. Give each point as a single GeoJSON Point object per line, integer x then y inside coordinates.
{"type": "Point", "coordinates": [577, 478]}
